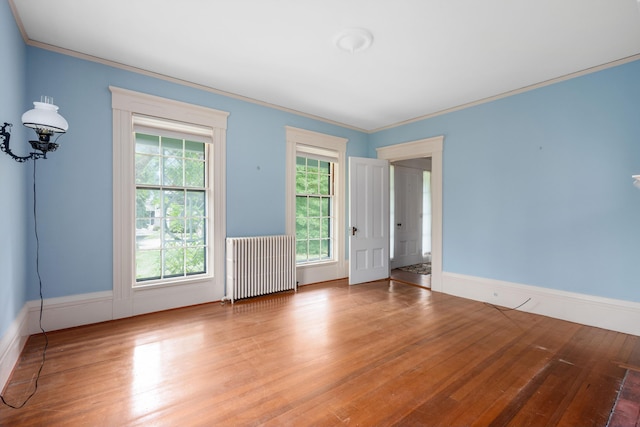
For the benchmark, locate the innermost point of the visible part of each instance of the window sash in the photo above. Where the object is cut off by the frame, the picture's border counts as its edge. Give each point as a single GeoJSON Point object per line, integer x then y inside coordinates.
{"type": "Point", "coordinates": [315, 217]}
{"type": "Point", "coordinates": [173, 244]}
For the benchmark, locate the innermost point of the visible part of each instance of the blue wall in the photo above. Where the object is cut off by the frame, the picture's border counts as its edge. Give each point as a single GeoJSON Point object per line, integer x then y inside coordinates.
{"type": "Point", "coordinates": [13, 176]}
{"type": "Point", "coordinates": [537, 187]}
{"type": "Point", "coordinates": [75, 194]}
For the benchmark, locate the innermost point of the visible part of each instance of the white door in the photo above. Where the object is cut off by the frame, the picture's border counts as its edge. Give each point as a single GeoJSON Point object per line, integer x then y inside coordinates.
{"type": "Point", "coordinates": [408, 217]}
{"type": "Point", "coordinates": [368, 220]}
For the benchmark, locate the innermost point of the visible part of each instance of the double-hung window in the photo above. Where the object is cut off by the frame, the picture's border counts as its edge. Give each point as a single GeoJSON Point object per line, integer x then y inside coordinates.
{"type": "Point", "coordinates": [315, 235]}
{"type": "Point", "coordinates": [315, 210]}
{"type": "Point", "coordinates": [168, 203]}
{"type": "Point", "coordinates": [172, 197]}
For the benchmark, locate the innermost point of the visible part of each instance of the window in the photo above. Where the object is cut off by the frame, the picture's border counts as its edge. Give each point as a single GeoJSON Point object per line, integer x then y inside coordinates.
{"type": "Point", "coordinates": [315, 203]}
{"type": "Point", "coordinates": [171, 188]}
{"type": "Point", "coordinates": [314, 209]}
{"type": "Point", "coordinates": [168, 203]}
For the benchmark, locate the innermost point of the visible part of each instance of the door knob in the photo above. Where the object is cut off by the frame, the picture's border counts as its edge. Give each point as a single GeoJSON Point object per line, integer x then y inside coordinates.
{"type": "Point", "coordinates": [353, 231]}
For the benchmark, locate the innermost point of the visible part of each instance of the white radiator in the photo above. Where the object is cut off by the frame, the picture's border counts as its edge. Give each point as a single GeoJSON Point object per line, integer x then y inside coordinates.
{"type": "Point", "coordinates": [260, 265]}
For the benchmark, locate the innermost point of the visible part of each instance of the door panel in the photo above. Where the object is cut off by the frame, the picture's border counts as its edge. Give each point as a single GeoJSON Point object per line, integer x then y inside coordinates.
{"type": "Point", "coordinates": [368, 219]}
{"type": "Point", "coordinates": [408, 217]}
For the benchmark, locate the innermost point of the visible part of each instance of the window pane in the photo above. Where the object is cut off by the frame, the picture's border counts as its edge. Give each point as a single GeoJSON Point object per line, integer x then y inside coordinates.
{"type": "Point", "coordinates": [195, 260]}
{"type": "Point", "coordinates": [301, 250]}
{"type": "Point", "coordinates": [325, 224]}
{"type": "Point", "coordinates": [312, 165]}
{"type": "Point", "coordinates": [325, 248]}
{"type": "Point", "coordinates": [314, 228]}
{"type": "Point", "coordinates": [324, 183]}
{"type": "Point", "coordinates": [147, 169]}
{"type": "Point", "coordinates": [314, 206]}
{"type": "Point", "coordinates": [313, 182]}
{"type": "Point", "coordinates": [194, 150]}
{"type": "Point", "coordinates": [173, 203]}
{"type": "Point", "coordinates": [193, 173]}
{"type": "Point", "coordinates": [173, 262]}
{"type": "Point", "coordinates": [325, 206]}
{"type": "Point", "coordinates": [149, 144]}
{"type": "Point", "coordinates": [302, 231]}
{"type": "Point", "coordinates": [194, 231]}
{"type": "Point", "coordinates": [148, 264]}
{"type": "Point", "coordinates": [196, 203]}
{"type": "Point", "coordinates": [147, 208]}
{"type": "Point", "coordinates": [314, 250]}
{"type": "Point", "coordinates": [301, 206]}
{"type": "Point", "coordinates": [174, 232]}
{"type": "Point", "coordinates": [172, 147]}
{"type": "Point", "coordinates": [172, 171]}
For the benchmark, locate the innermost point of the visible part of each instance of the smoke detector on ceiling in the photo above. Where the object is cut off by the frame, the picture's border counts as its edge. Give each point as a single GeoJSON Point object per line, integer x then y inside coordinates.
{"type": "Point", "coordinates": [353, 40]}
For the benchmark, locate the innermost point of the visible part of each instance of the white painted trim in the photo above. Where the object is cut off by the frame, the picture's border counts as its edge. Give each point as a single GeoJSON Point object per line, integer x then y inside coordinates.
{"type": "Point", "coordinates": [127, 300]}
{"type": "Point", "coordinates": [616, 315]}
{"type": "Point", "coordinates": [429, 147]}
{"type": "Point", "coordinates": [70, 311]}
{"type": "Point", "coordinates": [84, 56]}
{"type": "Point", "coordinates": [507, 94]}
{"type": "Point", "coordinates": [11, 345]}
{"type": "Point", "coordinates": [325, 271]}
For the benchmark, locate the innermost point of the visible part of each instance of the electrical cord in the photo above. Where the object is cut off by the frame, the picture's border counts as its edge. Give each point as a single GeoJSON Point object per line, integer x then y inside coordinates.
{"type": "Point", "coordinates": [46, 339]}
{"type": "Point", "coordinates": [504, 310]}
{"type": "Point", "coordinates": [507, 308]}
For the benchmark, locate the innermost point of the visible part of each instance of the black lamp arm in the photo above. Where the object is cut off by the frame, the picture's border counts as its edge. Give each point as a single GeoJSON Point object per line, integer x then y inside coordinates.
{"type": "Point", "coordinates": [5, 135]}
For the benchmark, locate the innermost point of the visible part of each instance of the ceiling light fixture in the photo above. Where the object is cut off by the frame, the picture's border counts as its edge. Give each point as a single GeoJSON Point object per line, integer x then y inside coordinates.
{"type": "Point", "coordinates": [353, 40]}
{"type": "Point", "coordinates": [636, 180]}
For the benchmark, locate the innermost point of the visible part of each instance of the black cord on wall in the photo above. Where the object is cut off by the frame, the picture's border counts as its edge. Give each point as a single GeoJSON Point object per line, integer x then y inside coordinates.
{"type": "Point", "coordinates": [46, 339]}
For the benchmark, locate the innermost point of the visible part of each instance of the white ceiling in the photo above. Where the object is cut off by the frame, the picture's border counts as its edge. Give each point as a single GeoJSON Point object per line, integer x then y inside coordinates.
{"type": "Point", "coordinates": [427, 55]}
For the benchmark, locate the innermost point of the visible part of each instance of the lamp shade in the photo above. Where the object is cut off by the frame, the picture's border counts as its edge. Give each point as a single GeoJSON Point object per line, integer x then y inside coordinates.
{"type": "Point", "coordinates": [44, 116]}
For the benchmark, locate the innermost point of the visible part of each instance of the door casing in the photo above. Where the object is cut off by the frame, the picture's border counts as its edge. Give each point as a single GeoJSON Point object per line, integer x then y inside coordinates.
{"type": "Point", "coordinates": [428, 147]}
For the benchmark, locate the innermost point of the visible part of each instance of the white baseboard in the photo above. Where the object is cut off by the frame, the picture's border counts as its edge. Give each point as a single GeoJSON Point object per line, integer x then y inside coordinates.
{"type": "Point", "coordinates": [11, 345]}
{"type": "Point", "coordinates": [70, 311]}
{"type": "Point", "coordinates": [616, 315]}
{"type": "Point", "coordinates": [77, 310]}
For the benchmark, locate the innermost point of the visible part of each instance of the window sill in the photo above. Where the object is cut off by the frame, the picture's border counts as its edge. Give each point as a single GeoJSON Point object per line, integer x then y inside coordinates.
{"type": "Point", "coordinates": [178, 282]}
{"type": "Point", "coordinates": [317, 264]}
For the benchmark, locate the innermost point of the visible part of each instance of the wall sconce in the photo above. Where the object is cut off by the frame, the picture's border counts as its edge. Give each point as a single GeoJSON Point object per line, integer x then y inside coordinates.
{"type": "Point", "coordinates": [636, 180]}
{"type": "Point", "coordinates": [45, 121]}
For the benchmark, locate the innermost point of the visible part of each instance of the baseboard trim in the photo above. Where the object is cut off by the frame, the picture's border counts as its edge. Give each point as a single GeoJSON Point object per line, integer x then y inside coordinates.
{"type": "Point", "coordinates": [70, 311]}
{"type": "Point", "coordinates": [11, 345]}
{"type": "Point", "coordinates": [612, 314]}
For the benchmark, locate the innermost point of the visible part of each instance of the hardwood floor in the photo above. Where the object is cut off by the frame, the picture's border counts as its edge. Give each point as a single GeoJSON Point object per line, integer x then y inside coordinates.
{"type": "Point", "coordinates": [376, 354]}
{"type": "Point", "coordinates": [423, 280]}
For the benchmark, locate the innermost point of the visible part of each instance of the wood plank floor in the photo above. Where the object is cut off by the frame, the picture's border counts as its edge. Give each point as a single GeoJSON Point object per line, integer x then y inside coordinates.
{"type": "Point", "coordinates": [377, 354]}
{"type": "Point", "coordinates": [423, 280]}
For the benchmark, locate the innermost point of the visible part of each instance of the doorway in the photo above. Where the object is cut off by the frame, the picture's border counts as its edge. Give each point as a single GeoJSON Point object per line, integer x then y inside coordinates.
{"type": "Point", "coordinates": [426, 148]}
{"type": "Point", "coordinates": [410, 221]}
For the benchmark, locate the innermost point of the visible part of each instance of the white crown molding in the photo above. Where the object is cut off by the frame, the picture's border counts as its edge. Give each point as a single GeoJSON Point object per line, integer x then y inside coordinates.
{"type": "Point", "coordinates": [119, 65]}
{"type": "Point", "coordinates": [512, 92]}
{"type": "Point", "coordinates": [606, 313]}
{"type": "Point", "coordinates": [187, 83]}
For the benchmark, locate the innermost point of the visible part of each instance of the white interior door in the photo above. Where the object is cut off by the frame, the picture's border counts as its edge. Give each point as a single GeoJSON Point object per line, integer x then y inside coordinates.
{"type": "Point", "coordinates": [368, 219]}
{"type": "Point", "coordinates": [408, 217]}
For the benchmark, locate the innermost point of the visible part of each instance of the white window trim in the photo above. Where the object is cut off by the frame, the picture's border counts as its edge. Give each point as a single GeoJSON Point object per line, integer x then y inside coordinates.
{"type": "Point", "coordinates": [130, 301]}
{"type": "Point", "coordinates": [329, 270]}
